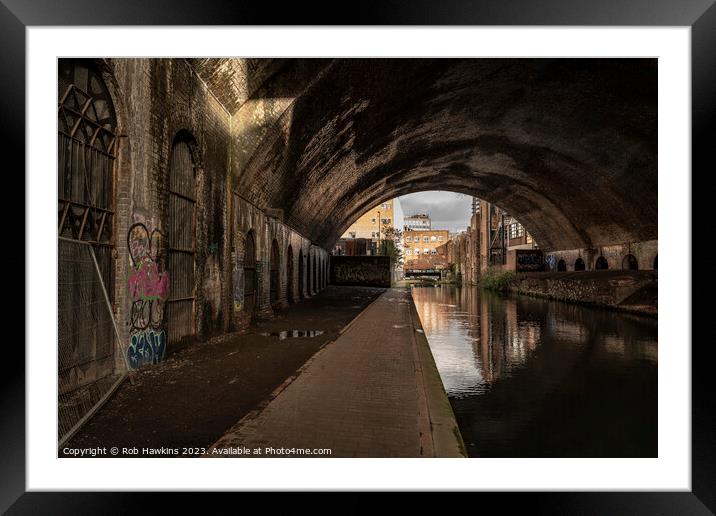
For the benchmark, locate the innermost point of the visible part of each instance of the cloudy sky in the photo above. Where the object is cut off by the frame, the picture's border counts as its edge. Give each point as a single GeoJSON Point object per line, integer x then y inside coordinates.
{"type": "Point", "coordinates": [448, 210]}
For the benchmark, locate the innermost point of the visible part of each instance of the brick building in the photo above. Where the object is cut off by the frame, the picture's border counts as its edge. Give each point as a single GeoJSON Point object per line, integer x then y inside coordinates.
{"type": "Point", "coordinates": [363, 237]}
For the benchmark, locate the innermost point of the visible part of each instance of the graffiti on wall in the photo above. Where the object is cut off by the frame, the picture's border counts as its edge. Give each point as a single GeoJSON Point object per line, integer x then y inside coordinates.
{"type": "Point", "coordinates": [360, 270]}
{"type": "Point", "coordinates": [530, 260]}
{"type": "Point", "coordinates": [146, 347]}
{"type": "Point", "coordinates": [148, 290]}
{"type": "Point", "coordinates": [551, 261]}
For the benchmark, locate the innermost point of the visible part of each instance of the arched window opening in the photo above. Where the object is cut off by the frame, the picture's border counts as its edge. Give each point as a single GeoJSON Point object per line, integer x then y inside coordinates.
{"type": "Point", "coordinates": [274, 279]}
{"type": "Point", "coordinates": [561, 266]}
{"type": "Point", "coordinates": [87, 146]}
{"type": "Point", "coordinates": [579, 265]}
{"type": "Point", "coordinates": [630, 263]}
{"type": "Point", "coordinates": [181, 241]}
{"type": "Point", "coordinates": [250, 273]}
{"type": "Point", "coordinates": [601, 264]}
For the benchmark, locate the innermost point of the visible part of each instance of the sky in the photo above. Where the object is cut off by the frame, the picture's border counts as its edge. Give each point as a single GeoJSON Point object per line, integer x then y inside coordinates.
{"type": "Point", "coordinates": [447, 210]}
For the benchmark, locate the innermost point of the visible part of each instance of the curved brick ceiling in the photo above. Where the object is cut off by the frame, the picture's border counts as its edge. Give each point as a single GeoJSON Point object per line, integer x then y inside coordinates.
{"type": "Point", "coordinates": [568, 146]}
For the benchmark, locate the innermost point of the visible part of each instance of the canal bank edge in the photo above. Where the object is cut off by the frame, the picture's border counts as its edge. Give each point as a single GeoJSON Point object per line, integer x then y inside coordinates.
{"type": "Point", "coordinates": [446, 437]}
{"type": "Point", "coordinates": [633, 292]}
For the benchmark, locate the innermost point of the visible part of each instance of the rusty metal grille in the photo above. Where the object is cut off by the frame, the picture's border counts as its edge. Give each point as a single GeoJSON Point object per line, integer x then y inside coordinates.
{"type": "Point", "coordinates": [85, 175]}
{"type": "Point", "coordinates": [181, 238]}
{"type": "Point", "coordinates": [250, 273]}
{"type": "Point", "coordinates": [275, 272]}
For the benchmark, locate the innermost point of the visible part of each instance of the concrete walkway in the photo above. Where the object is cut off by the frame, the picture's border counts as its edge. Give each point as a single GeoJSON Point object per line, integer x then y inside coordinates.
{"type": "Point", "coordinates": [373, 392]}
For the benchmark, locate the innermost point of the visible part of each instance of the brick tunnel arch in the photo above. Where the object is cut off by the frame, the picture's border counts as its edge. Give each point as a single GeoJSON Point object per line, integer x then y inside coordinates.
{"type": "Point", "coordinates": [533, 136]}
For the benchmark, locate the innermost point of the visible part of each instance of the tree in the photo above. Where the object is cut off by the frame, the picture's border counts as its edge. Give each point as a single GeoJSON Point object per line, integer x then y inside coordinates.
{"type": "Point", "coordinates": [389, 246]}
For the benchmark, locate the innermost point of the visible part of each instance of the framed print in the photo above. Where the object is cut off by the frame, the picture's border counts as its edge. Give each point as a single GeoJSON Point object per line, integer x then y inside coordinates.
{"type": "Point", "coordinates": [415, 250]}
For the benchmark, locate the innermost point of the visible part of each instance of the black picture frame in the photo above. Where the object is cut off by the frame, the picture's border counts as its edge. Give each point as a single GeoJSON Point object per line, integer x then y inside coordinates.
{"type": "Point", "coordinates": [700, 15]}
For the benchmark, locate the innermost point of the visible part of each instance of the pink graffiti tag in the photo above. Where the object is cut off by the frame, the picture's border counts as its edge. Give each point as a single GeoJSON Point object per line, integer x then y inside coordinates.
{"type": "Point", "coordinates": [146, 282]}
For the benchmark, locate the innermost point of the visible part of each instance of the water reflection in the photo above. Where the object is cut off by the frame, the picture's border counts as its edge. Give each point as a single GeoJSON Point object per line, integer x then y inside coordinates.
{"type": "Point", "coordinates": [534, 378]}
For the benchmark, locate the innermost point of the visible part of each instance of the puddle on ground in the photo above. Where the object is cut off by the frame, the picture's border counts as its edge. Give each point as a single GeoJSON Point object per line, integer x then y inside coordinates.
{"type": "Point", "coordinates": [293, 334]}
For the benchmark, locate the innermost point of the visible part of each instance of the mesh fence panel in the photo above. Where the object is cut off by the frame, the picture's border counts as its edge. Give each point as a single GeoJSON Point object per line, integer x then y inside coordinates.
{"type": "Point", "coordinates": [85, 352]}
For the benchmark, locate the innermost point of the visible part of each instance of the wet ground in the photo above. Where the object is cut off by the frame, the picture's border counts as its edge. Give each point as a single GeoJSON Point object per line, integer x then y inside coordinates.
{"type": "Point", "coordinates": [190, 399]}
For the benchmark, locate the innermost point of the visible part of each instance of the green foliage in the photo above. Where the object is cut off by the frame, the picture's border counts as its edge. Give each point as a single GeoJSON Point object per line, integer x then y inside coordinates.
{"type": "Point", "coordinates": [389, 244]}
{"type": "Point", "coordinates": [496, 279]}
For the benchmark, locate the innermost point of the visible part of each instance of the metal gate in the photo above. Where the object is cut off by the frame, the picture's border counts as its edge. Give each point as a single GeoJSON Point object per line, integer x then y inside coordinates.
{"type": "Point", "coordinates": [86, 266]}
{"type": "Point", "coordinates": [180, 307]}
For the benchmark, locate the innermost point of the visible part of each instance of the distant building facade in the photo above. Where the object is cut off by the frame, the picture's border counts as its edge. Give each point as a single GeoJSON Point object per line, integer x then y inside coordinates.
{"type": "Point", "coordinates": [418, 222]}
{"type": "Point", "coordinates": [421, 244]}
{"type": "Point", "coordinates": [364, 235]}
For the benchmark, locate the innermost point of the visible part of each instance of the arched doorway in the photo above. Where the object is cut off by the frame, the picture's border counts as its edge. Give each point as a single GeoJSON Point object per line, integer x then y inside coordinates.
{"type": "Point", "coordinates": [301, 274]}
{"type": "Point", "coordinates": [601, 264]}
{"type": "Point", "coordinates": [274, 273]}
{"type": "Point", "coordinates": [289, 274]}
{"type": "Point", "coordinates": [561, 266]}
{"type": "Point", "coordinates": [630, 263]}
{"type": "Point", "coordinates": [250, 273]}
{"type": "Point", "coordinates": [181, 240]}
{"type": "Point", "coordinates": [655, 263]}
{"type": "Point", "coordinates": [579, 265]}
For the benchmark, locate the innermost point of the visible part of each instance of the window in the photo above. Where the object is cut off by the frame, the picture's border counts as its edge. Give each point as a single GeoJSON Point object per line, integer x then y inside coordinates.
{"type": "Point", "coordinates": [408, 252]}
{"type": "Point", "coordinates": [520, 230]}
{"type": "Point", "coordinates": [434, 251]}
{"type": "Point", "coordinates": [441, 238]}
{"type": "Point", "coordinates": [513, 231]}
{"type": "Point", "coordinates": [433, 238]}
{"type": "Point", "coordinates": [372, 221]}
{"type": "Point", "coordinates": [426, 251]}
{"type": "Point", "coordinates": [426, 239]}
{"type": "Point", "coordinates": [417, 251]}
{"type": "Point", "coordinates": [385, 206]}
{"type": "Point", "coordinates": [352, 234]}
{"type": "Point", "coordinates": [416, 239]}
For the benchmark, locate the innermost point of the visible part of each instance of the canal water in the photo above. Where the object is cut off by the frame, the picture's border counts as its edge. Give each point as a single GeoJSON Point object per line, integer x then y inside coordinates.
{"type": "Point", "coordinates": [528, 377]}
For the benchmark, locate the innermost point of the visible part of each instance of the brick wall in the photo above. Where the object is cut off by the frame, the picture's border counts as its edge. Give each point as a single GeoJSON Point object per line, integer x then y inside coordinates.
{"type": "Point", "coordinates": [156, 100]}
